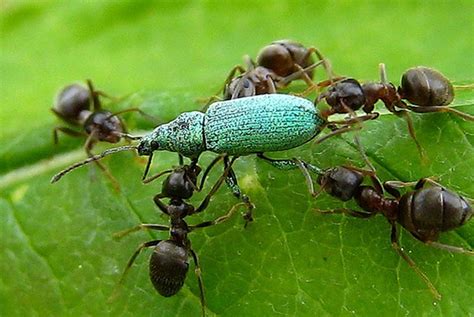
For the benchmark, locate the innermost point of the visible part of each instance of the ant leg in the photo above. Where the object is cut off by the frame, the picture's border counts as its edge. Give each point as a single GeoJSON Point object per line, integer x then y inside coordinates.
{"type": "Point", "coordinates": [346, 125]}
{"type": "Point", "coordinates": [441, 109]}
{"type": "Point", "coordinates": [335, 132]}
{"type": "Point", "coordinates": [146, 115]}
{"type": "Point", "coordinates": [94, 96]}
{"type": "Point", "coordinates": [422, 182]}
{"type": "Point", "coordinates": [163, 207]}
{"type": "Point", "coordinates": [411, 130]}
{"type": "Point", "coordinates": [88, 147]}
{"type": "Point", "coordinates": [67, 131]}
{"type": "Point", "coordinates": [219, 220]}
{"type": "Point", "coordinates": [350, 212]}
{"type": "Point", "coordinates": [197, 271]}
{"type": "Point", "coordinates": [326, 64]}
{"type": "Point", "coordinates": [449, 248]}
{"type": "Point", "coordinates": [143, 226]}
{"type": "Point", "coordinates": [130, 263]}
{"type": "Point", "coordinates": [392, 188]}
{"type": "Point", "coordinates": [411, 263]}
{"type": "Point", "coordinates": [152, 178]}
{"type": "Point", "coordinates": [271, 85]}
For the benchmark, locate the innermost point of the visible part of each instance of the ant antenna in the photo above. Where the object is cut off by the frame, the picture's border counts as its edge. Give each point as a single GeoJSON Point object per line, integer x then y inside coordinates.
{"type": "Point", "coordinates": [94, 158]}
{"type": "Point", "coordinates": [383, 73]}
{"type": "Point", "coordinates": [128, 136]}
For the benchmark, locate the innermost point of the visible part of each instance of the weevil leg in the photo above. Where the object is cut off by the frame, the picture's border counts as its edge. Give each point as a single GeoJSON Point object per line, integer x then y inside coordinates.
{"type": "Point", "coordinates": [143, 226]}
{"type": "Point", "coordinates": [449, 248]}
{"type": "Point", "coordinates": [67, 131]}
{"type": "Point", "coordinates": [218, 220]}
{"type": "Point", "coordinates": [347, 211]}
{"type": "Point", "coordinates": [197, 271]}
{"type": "Point", "coordinates": [132, 259]}
{"type": "Point", "coordinates": [217, 185]}
{"type": "Point", "coordinates": [232, 183]}
{"type": "Point", "coordinates": [208, 169]}
{"type": "Point", "coordinates": [288, 164]}
{"type": "Point", "coordinates": [91, 140]}
{"type": "Point", "coordinates": [411, 263]}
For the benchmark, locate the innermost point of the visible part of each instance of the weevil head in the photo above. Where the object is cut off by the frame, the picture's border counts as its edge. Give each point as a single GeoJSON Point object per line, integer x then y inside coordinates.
{"type": "Point", "coordinates": [183, 135]}
{"type": "Point", "coordinates": [148, 144]}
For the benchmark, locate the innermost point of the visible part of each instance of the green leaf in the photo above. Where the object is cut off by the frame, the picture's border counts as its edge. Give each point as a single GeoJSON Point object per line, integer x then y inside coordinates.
{"type": "Point", "coordinates": [57, 255]}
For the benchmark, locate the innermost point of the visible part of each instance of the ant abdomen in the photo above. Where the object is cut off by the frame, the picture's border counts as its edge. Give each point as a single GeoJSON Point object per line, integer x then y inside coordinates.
{"type": "Point", "coordinates": [426, 87]}
{"type": "Point", "coordinates": [427, 212]}
{"type": "Point", "coordinates": [281, 57]}
{"type": "Point", "coordinates": [168, 267]}
{"type": "Point", "coordinates": [106, 126]}
{"type": "Point", "coordinates": [70, 101]}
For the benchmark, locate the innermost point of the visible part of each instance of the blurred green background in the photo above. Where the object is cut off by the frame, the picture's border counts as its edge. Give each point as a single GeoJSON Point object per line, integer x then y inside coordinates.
{"type": "Point", "coordinates": [57, 256]}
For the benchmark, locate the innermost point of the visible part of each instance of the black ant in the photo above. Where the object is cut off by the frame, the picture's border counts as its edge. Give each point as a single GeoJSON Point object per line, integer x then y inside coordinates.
{"type": "Point", "coordinates": [80, 106]}
{"type": "Point", "coordinates": [169, 262]}
{"type": "Point", "coordinates": [425, 211]}
{"type": "Point", "coordinates": [425, 88]}
{"type": "Point", "coordinates": [278, 64]}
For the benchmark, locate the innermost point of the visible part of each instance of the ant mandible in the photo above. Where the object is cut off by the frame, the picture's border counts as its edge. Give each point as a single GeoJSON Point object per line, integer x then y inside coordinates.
{"type": "Point", "coordinates": [169, 264]}
{"type": "Point", "coordinates": [425, 211]}
{"type": "Point", "coordinates": [425, 88]}
{"type": "Point", "coordinates": [80, 106]}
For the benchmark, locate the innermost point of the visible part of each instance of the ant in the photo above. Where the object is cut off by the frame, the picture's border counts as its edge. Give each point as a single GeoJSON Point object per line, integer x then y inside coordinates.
{"type": "Point", "coordinates": [426, 89]}
{"type": "Point", "coordinates": [169, 262]}
{"type": "Point", "coordinates": [278, 64]}
{"type": "Point", "coordinates": [425, 211]}
{"type": "Point", "coordinates": [191, 172]}
{"type": "Point", "coordinates": [80, 106]}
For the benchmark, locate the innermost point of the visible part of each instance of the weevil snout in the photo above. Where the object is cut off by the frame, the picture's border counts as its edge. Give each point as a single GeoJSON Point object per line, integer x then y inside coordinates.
{"type": "Point", "coordinates": [146, 147]}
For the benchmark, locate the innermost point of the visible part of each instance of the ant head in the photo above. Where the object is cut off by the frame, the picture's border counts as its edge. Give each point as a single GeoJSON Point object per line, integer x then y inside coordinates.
{"type": "Point", "coordinates": [345, 96]}
{"type": "Point", "coordinates": [71, 100]}
{"type": "Point", "coordinates": [107, 127]}
{"type": "Point", "coordinates": [168, 267]}
{"type": "Point", "coordinates": [181, 183]}
{"type": "Point", "coordinates": [341, 182]}
{"type": "Point", "coordinates": [427, 87]}
{"type": "Point", "coordinates": [239, 87]}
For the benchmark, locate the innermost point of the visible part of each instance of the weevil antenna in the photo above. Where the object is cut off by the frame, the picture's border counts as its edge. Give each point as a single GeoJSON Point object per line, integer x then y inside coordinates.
{"type": "Point", "coordinates": [94, 158]}
{"type": "Point", "coordinates": [147, 168]}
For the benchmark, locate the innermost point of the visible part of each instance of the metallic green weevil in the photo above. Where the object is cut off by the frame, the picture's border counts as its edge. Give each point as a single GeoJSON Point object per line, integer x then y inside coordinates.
{"type": "Point", "coordinates": [252, 125]}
